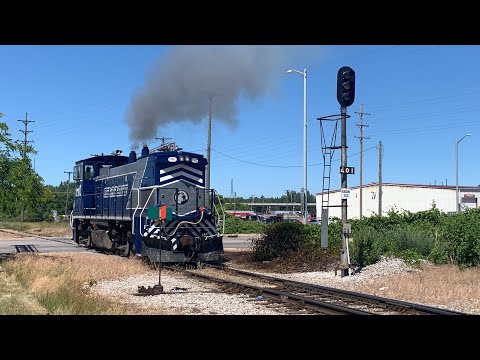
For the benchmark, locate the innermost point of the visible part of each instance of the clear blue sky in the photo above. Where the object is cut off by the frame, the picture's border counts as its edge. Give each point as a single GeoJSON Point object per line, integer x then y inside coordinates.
{"type": "Point", "coordinates": [87, 100]}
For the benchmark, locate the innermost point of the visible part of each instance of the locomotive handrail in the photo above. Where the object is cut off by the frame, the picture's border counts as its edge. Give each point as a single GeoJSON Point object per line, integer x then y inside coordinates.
{"type": "Point", "coordinates": [133, 216]}
{"type": "Point", "coordinates": [178, 225]}
{"type": "Point", "coordinates": [223, 211]}
{"type": "Point", "coordinates": [138, 203]}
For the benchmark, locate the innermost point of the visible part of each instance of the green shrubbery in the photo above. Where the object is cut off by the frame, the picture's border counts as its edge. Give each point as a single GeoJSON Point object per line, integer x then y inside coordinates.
{"type": "Point", "coordinates": [278, 239]}
{"type": "Point", "coordinates": [235, 225]}
{"type": "Point", "coordinates": [281, 238]}
{"type": "Point", "coordinates": [431, 235]}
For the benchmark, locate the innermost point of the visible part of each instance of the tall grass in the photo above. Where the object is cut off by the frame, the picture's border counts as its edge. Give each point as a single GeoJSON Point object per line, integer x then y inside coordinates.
{"type": "Point", "coordinates": [59, 284]}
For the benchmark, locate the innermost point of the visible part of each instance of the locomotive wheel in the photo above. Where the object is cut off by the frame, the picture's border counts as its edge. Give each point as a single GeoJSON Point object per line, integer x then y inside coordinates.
{"type": "Point", "coordinates": [132, 250]}
{"type": "Point", "coordinates": [89, 241]}
{"type": "Point", "coordinates": [128, 249]}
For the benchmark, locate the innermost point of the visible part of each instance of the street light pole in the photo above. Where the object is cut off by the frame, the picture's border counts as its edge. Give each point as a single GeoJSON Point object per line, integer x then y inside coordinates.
{"type": "Point", "coordinates": [291, 199]}
{"type": "Point", "coordinates": [456, 189]}
{"type": "Point", "coordinates": [304, 200]}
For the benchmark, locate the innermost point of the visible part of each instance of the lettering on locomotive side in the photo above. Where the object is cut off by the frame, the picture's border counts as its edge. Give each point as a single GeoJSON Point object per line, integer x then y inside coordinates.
{"type": "Point", "coordinates": [116, 190]}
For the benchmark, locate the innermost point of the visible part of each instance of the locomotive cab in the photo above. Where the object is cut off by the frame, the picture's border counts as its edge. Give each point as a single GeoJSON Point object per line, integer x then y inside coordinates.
{"type": "Point", "coordinates": [83, 174]}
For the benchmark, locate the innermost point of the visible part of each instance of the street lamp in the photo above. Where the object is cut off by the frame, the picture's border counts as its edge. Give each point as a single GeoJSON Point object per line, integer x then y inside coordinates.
{"type": "Point", "coordinates": [456, 156]}
{"type": "Point", "coordinates": [304, 200]}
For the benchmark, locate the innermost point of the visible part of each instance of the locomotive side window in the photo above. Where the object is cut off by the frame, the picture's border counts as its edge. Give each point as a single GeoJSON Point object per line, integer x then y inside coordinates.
{"type": "Point", "coordinates": [88, 171]}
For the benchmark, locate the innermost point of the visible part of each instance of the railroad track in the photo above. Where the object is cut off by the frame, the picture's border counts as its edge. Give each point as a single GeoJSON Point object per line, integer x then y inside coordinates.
{"type": "Point", "coordinates": [305, 298]}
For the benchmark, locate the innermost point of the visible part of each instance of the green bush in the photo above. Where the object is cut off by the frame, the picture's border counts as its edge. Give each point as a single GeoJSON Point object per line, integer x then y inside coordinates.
{"type": "Point", "coordinates": [235, 225]}
{"type": "Point", "coordinates": [365, 249]}
{"type": "Point", "coordinates": [412, 239]}
{"type": "Point", "coordinates": [278, 239]}
{"type": "Point", "coordinates": [410, 256]}
{"type": "Point", "coordinates": [335, 234]}
{"type": "Point", "coordinates": [458, 239]}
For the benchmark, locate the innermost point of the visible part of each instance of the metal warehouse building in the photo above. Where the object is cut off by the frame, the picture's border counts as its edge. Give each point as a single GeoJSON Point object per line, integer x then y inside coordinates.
{"type": "Point", "coordinates": [399, 197]}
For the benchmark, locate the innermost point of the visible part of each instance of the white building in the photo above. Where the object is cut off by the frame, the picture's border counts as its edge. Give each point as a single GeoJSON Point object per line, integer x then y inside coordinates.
{"type": "Point", "coordinates": [399, 197]}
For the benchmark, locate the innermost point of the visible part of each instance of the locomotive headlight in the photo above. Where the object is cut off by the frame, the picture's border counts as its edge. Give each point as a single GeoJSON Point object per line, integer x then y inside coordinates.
{"type": "Point", "coordinates": [181, 158]}
{"type": "Point", "coordinates": [187, 158]}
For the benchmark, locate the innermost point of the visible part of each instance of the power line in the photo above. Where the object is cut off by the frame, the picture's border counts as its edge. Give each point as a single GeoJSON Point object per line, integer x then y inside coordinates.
{"type": "Point", "coordinates": [286, 166]}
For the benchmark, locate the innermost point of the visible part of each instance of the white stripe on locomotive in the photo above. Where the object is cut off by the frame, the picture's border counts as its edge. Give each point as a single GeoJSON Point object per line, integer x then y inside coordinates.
{"type": "Point", "coordinates": [177, 175]}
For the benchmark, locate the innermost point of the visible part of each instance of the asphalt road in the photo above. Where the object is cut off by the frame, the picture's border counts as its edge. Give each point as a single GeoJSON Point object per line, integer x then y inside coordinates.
{"type": "Point", "coordinates": [38, 244]}
{"type": "Point", "coordinates": [64, 244]}
{"type": "Point", "coordinates": [238, 242]}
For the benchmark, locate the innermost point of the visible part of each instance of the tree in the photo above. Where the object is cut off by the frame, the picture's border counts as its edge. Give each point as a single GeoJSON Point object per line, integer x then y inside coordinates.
{"type": "Point", "coordinates": [21, 188]}
{"type": "Point", "coordinates": [27, 186]}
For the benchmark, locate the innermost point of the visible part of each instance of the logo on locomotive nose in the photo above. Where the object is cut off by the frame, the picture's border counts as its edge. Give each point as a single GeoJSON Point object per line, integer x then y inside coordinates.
{"type": "Point", "coordinates": [181, 197]}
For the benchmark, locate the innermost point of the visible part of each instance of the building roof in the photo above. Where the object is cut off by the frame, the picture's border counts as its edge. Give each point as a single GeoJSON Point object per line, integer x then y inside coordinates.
{"type": "Point", "coordinates": [374, 184]}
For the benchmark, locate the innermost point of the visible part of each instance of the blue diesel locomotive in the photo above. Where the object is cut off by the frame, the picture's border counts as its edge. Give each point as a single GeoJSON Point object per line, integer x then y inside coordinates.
{"type": "Point", "coordinates": [115, 195]}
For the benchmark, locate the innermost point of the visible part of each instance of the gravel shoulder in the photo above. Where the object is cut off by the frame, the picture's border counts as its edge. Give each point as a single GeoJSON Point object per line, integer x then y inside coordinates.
{"type": "Point", "coordinates": [192, 297]}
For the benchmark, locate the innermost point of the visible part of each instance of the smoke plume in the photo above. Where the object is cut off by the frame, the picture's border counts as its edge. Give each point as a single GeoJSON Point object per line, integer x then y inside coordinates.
{"type": "Point", "coordinates": [180, 86]}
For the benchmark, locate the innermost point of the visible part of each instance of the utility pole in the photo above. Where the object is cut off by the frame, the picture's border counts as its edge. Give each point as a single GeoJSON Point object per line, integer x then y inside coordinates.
{"type": "Point", "coordinates": [344, 258]}
{"type": "Point", "coordinates": [68, 189]}
{"type": "Point", "coordinates": [457, 207]}
{"type": "Point", "coordinates": [291, 198]}
{"type": "Point", "coordinates": [379, 178]}
{"type": "Point", "coordinates": [235, 203]}
{"type": "Point", "coordinates": [209, 141]}
{"type": "Point", "coordinates": [163, 139]}
{"type": "Point", "coordinates": [345, 97]}
{"type": "Point", "coordinates": [361, 137]}
{"type": "Point", "coordinates": [25, 132]}
{"type": "Point", "coordinates": [24, 152]}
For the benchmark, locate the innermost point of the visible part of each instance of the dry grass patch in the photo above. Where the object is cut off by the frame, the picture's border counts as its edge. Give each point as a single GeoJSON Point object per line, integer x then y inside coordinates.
{"type": "Point", "coordinates": [60, 283]}
{"type": "Point", "coordinates": [61, 229]}
{"type": "Point", "coordinates": [445, 286]}
{"type": "Point", "coordinates": [15, 300]}
{"type": "Point", "coordinates": [104, 267]}
{"type": "Point", "coordinates": [35, 270]}
{"type": "Point", "coordinates": [49, 229]}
